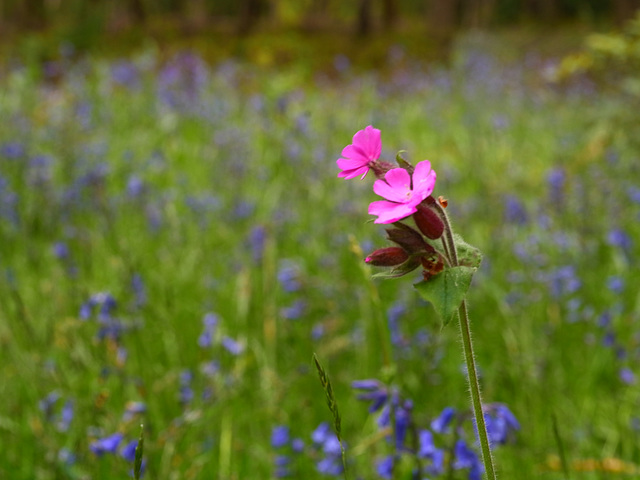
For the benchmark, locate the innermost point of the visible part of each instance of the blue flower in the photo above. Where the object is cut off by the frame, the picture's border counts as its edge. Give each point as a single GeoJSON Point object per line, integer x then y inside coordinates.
{"type": "Point", "coordinates": [279, 436]}
{"type": "Point", "coordinates": [209, 321]}
{"type": "Point", "coordinates": [128, 452]}
{"type": "Point", "coordinates": [515, 211]}
{"type": "Point", "coordinates": [374, 391]}
{"type": "Point", "coordinates": [441, 423]}
{"type": "Point", "coordinates": [294, 311]}
{"type": "Point", "coordinates": [615, 284]}
{"type": "Point", "coordinates": [66, 416]}
{"type": "Point", "coordinates": [106, 445]}
{"type": "Point", "coordinates": [289, 276]}
{"type": "Point", "coordinates": [385, 467]}
{"type": "Point", "coordinates": [500, 422]}
{"type": "Point", "coordinates": [232, 346]}
{"type": "Point", "coordinates": [282, 466]}
{"type": "Point", "coordinates": [619, 238]}
{"type": "Point", "coordinates": [467, 458]}
{"type": "Point", "coordinates": [627, 376]}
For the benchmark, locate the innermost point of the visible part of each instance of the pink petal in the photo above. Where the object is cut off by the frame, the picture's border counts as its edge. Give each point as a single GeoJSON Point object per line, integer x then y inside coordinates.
{"type": "Point", "coordinates": [389, 212]}
{"type": "Point", "coordinates": [353, 173]}
{"type": "Point", "coordinates": [368, 140]}
{"type": "Point", "coordinates": [348, 164]}
{"type": "Point", "coordinates": [354, 152]}
{"type": "Point", "coordinates": [424, 180]}
{"type": "Point", "coordinates": [395, 186]}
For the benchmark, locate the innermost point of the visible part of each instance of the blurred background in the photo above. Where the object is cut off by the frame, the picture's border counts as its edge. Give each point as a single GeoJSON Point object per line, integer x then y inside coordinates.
{"type": "Point", "coordinates": [175, 243]}
{"type": "Point", "coordinates": [219, 27]}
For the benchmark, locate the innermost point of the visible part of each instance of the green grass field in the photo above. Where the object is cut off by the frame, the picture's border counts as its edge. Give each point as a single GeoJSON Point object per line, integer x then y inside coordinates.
{"type": "Point", "coordinates": [138, 196]}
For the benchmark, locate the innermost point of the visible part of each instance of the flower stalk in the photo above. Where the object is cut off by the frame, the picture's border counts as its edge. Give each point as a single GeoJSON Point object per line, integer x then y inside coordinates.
{"type": "Point", "coordinates": [469, 357]}
{"type": "Point", "coordinates": [447, 273]}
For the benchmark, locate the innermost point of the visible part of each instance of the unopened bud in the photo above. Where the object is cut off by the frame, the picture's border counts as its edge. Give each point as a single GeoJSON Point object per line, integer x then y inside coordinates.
{"type": "Point", "coordinates": [429, 222]}
{"type": "Point", "coordinates": [408, 238]}
{"type": "Point", "coordinates": [387, 257]}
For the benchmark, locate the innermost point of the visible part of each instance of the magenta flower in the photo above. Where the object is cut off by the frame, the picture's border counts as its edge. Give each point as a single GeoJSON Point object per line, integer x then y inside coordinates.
{"type": "Point", "coordinates": [358, 156]}
{"type": "Point", "coordinates": [402, 200]}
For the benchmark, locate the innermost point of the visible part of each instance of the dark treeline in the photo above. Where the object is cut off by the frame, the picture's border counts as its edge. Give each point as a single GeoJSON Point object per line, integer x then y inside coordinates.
{"type": "Point", "coordinates": [363, 17]}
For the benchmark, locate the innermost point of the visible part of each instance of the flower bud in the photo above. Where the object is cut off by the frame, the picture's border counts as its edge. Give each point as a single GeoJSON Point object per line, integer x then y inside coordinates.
{"type": "Point", "coordinates": [409, 239]}
{"type": "Point", "coordinates": [429, 222]}
{"type": "Point", "coordinates": [387, 257]}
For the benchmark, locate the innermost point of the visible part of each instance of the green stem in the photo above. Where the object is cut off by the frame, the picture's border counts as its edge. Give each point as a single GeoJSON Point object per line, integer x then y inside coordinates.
{"type": "Point", "coordinates": [469, 358]}
{"type": "Point", "coordinates": [474, 387]}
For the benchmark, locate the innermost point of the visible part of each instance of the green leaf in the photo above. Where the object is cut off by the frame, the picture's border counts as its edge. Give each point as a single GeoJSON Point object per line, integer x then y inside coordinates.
{"type": "Point", "coordinates": [447, 290]}
{"type": "Point", "coordinates": [137, 463]}
{"type": "Point", "coordinates": [468, 255]}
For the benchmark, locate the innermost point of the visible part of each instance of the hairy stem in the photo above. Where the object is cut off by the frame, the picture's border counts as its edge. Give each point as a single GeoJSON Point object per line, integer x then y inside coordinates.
{"type": "Point", "coordinates": [474, 388]}
{"type": "Point", "coordinates": [469, 358]}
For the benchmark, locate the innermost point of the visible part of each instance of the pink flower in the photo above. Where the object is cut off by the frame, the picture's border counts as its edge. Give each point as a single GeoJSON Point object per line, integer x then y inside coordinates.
{"type": "Point", "coordinates": [402, 199]}
{"type": "Point", "coordinates": [364, 150]}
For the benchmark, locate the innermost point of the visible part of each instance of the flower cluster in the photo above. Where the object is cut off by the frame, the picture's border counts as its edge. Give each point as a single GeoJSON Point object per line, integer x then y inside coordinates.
{"type": "Point", "coordinates": [407, 193]}
{"type": "Point", "coordinates": [395, 417]}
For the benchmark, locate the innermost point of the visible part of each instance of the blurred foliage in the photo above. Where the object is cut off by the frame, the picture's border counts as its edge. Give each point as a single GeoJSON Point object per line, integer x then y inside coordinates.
{"type": "Point", "coordinates": [612, 58]}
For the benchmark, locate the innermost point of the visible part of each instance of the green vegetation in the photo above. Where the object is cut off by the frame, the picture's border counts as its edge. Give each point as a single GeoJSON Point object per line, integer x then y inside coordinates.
{"type": "Point", "coordinates": [203, 199]}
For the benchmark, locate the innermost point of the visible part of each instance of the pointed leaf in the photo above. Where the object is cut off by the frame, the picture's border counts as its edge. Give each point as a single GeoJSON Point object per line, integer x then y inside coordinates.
{"type": "Point", "coordinates": [468, 255]}
{"type": "Point", "coordinates": [447, 290]}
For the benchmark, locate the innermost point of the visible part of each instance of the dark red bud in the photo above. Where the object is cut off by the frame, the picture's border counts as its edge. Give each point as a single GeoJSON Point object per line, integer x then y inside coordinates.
{"type": "Point", "coordinates": [387, 257]}
{"type": "Point", "coordinates": [428, 222]}
{"type": "Point", "coordinates": [380, 168]}
{"type": "Point", "coordinates": [408, 238]}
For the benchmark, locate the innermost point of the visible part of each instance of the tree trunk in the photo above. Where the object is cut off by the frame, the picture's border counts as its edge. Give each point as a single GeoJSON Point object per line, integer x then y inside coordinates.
{"type": "Point", "coordinates": [33, 14]}
{"type": "Point", "coordinates": [364, 21]}
{"type": "Point", "coordinates": [443, 17]}
{"type": "Point", "coordinates": [250, 13]}
{"type": "Point", "coordinates": [389, 14]}
{"type": "Point", "coordinates": [137, 11]}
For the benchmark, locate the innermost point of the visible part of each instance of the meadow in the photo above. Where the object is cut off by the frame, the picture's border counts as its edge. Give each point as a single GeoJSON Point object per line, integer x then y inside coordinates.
{"type": "Point", "coordinates": [176, 245]}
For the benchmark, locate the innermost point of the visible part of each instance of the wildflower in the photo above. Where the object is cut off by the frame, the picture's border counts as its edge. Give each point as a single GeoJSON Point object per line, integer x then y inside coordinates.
{"type": "Point", "coordinates": [186, 392]}
{"type": "Point", "coordinates": [294, 311]}
{"type": "Point", "coordinates": [209, 321]}
{"type": "Point", "coordinates": [48, 403]}
{"type": "Point", "coordinates": [61, 250]}
{"type": "Point", "coordinates": [387, 257]}
{"type": "Point", "coordinates": [385, 467]}
{"type": "Point", "coordinates": [279, 436]}
{"type": "Point", "coordinates": [282, 466]}
{"type": "Point", "coordinates": [429, 222]}
{"type": "Point", "coordinates": [627, 376]}
{"type": "Point", "coordinates": [619, 238]}
{"type": "Point", "coordinates": [128, 452]}
{"type": "Point", "coordinates": [66, 456]}
{"type": "Point", "coordinates": [107, 444]}
{"type": "Point", "coordinates": [132, 409]}
{"type": "Point", "coordinates": [403, 194]}
{"type": "Point", "coordinates": [615, 284]}
{"type": "Point", "coordinates": [66, 416]}
{"type": "Point", "coordinates": [331, 463]}
{"type": "Point", "coordinates": [441, 423]}
{"type": "Point", "coordinates": [467, 458]}
{"type": "Point", "coordinates": [232, 346]}
{"type": "Point", "coordinates": [361, 154]}
{"type": "Point", "coordinates": [374, 391]}
{"type": "Point", "coordinates": [500, 422]}
{"type": "Point", "coordinates": [289, 276]}
{"type": "Point", "coordinates": [137, 285]}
